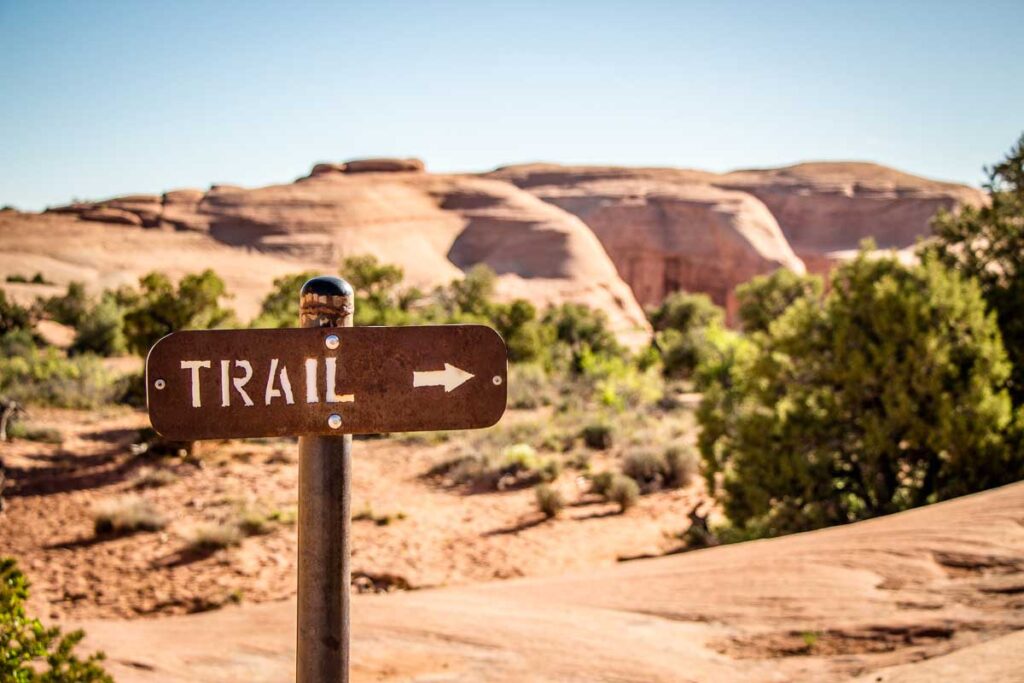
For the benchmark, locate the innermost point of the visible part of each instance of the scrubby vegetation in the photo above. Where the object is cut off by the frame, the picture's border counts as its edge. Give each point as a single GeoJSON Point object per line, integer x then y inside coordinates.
{"type": "Point", "coordinates": [895, 386]}
{"type": "Point", "coordinates": [986, 243]}
{"type": "Point", "coordinates": [126, 515]}
{"type": "Point", "coordinates": [549, 500]}
{"type": "Point", "coordinates": [888, 393]}
{"type": "Point", "coordinates": [33, 653]}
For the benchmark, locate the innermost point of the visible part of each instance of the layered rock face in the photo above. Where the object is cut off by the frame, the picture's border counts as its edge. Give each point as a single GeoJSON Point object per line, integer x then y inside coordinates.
{"type": "Point", "coordinates": [614, 238]}
{"type": "Point", "coordinates": [825, 210]}
{"type": "Point", "coordinates": [434, 226]}
{"type": "Point", "coordinates": [667, 230]}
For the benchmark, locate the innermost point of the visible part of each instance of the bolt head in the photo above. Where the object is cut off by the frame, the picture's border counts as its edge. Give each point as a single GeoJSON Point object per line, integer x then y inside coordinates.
{"type": "Point", "coordinates": [334, 421]}
{"type": "Point", "coordinates": [497, 380]}
{"type": "Point", "coordinates": [332, 341]}
{"type": "Point", "coordinates": [159, 384]}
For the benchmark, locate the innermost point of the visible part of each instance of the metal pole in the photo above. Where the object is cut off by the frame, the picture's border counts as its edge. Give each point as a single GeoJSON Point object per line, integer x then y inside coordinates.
{"type": "Point", "coordinates": [325, 469]}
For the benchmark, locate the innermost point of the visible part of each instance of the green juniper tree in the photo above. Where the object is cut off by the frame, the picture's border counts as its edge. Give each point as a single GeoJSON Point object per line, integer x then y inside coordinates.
{"type": "Point", "coordinates": [987, 243]}
{"type": "Point", "coordinates": [888, 394]}
{"type": "Point", "coordinates": [159, 308]}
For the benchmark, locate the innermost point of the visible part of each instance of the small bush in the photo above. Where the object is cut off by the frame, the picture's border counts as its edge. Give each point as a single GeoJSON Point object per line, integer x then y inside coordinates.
{"type": "Point", "coordinates": [549, 500]}
{"type": "Point", "coordinates": [655, 471]}
{"type": "Point", "coordinates": [126, 515]}
{"type": "Point", "coordinates": [624, 492]}
{"type": "Point", "coordinates": [210, 536]}
{"type": "Point", "coordinates": [31, 652]}
{"type": "Point", "coordinates": [681, 466]}
{"type": "Point", "coordinates": [601, 483]}
{"type": "Point", "coordinates": [646, 468]}
{"type": "Point", "coordinates": [45, 377]}
{"type": "Point", "coordinates": [598, 436]}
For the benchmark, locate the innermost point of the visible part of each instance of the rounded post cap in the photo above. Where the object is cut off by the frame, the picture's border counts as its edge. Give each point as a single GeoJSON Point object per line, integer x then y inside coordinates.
{"type": "Point", "coordinates": [326, 285]}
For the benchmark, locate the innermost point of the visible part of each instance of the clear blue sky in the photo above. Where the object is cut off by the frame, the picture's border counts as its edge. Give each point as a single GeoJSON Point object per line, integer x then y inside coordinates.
{"type": "Point", "coordinates": [105, 98]}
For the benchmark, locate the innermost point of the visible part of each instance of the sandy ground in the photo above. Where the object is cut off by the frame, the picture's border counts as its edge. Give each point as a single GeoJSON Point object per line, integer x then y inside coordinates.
{"type": "Point", "coordinates": [932, 594]}
{"type": "Point", "coordinates": [424, 535]}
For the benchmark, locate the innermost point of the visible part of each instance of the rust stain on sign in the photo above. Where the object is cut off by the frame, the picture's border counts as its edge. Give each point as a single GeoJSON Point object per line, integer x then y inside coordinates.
{"type": "Point", "coordinates": [220, 384]}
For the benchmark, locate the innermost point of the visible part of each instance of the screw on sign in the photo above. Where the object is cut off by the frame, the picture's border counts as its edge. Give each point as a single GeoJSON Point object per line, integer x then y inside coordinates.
{"type": "Point", "coordinates": [323, 382]}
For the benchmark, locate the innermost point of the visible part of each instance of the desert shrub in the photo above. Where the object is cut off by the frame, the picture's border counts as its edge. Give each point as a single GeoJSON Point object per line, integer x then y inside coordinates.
{"type": "Point", "coordinates": [101, 330]}
{"type": "Point", "coordinates": [520, 465]}
{"type": "Point", "coordinates": [681, 465]}
{"type": "Point", "coordinates": [986, 243]}
{"type": "Point", "coordinates": [33, 653]}
{"type": "Point", "coordinates": [598, 435]}
{"type": "Point", "coordinates": [647, 468]}
{"type": "Point", "coordinates": [549, 500]}
{"type": "Point", "coordinates": [13, 316]}
{"type": "Point", "coordinates": [579, 327]}
{"type": "Point", "coordinates": [125, 515]}
{"type": "Point", "coordinates": [653, 470]}
{"type": "Point", "coordinates": [212, 536]}
{"type": "Point", "coordinates": [889, 393]}
{"type": "Point", "coordinates": [685, 311]}
{"type": "Point", "coordinates": [765, 297]}
{"type": "Point", "coordinates": [160, 308]}
{"type": "Point", "coordinates": [617, 382]}
{"type": "Point", "coordinates": [70, 308]}
{"type": "Point", "coordinates": [379, 297]}
{"type": "Point", "coordinates": [47, 377]}
{"type": "Point", "coordinates": [280, 308]}
{"type": "Point", "coordinates": [153, 477]}
{"type": "Point", "coordinates": [681, 325]}
{"type": "Point", "coordinates": [601, 482]}
{"type": "Point", "coordinates": [622, 491]}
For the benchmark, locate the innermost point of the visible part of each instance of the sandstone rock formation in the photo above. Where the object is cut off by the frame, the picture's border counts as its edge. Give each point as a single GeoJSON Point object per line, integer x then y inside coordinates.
{"type": "Point", "coordinates": [667, 230]}
{"type": "Point", "coordinates": [434, 226]}
{"type": "Point", "coordinates": [826, 208]}
{"type": "Point", "coordinates": [615, 238]}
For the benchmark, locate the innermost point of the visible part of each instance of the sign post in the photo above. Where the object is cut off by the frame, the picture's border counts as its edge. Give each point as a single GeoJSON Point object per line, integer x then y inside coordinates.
{"type": "Point", "coordinates": [325, 518]}
{"type": "Point", "coordinates": [323, 382]}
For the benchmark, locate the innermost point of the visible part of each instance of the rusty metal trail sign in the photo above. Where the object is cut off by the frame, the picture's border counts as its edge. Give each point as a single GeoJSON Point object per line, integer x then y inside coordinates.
{"type": "Point", "coordinates": [334, 380]}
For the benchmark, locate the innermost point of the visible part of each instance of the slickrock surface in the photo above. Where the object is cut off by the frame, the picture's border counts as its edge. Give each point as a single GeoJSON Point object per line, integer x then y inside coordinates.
{"type": "Point", "coordinates": [931, 594]}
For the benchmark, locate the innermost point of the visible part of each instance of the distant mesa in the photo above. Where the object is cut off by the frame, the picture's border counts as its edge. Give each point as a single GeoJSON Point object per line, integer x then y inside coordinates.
{"type": "Point", "coordinates": [616, 238]}
{"type": "Point", "coordinates": [379, 165]}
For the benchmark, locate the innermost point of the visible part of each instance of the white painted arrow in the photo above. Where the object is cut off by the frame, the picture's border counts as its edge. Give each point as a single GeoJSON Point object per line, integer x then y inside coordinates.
{"type": "Point", "coordinates": [449, 378]}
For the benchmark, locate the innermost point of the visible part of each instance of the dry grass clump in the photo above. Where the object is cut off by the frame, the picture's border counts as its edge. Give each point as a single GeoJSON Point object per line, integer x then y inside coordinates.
{"type": "Point", "coordinates": [246, 519]}
{"type": "Point", "coordinates": [615, 488]}
{"type": "Point", "coordinates": [549, 500]}
{"type": "Point", "coordinates": [623, 491]}
{"type": "Point", "coordinates": [153, 477]}
{"type": "Point", "coordinates": [214, 536]}
{"type": "Point", "coordinates": [126, 514]}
